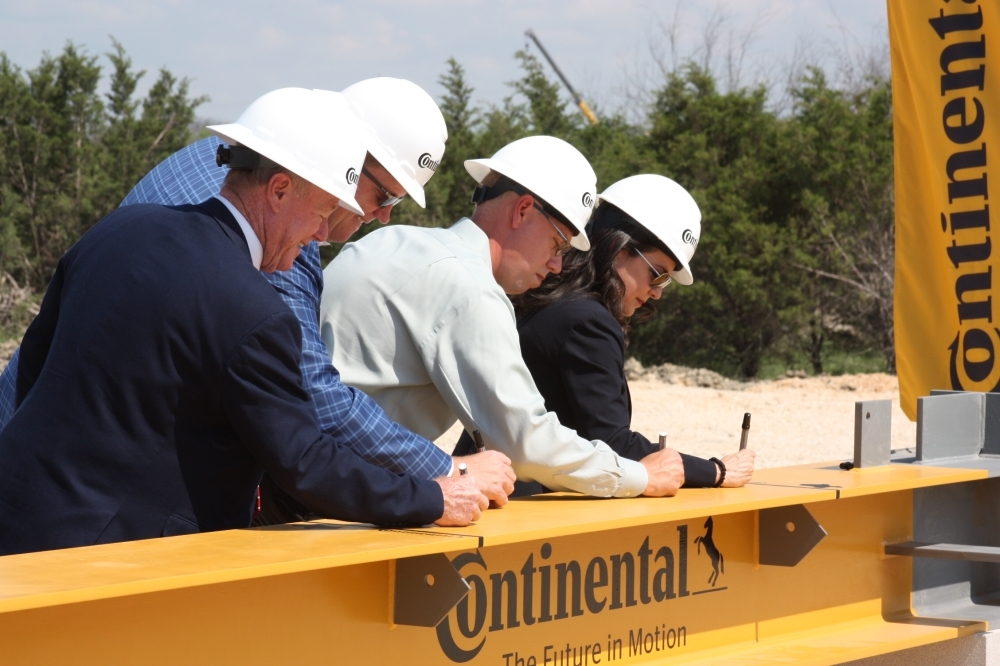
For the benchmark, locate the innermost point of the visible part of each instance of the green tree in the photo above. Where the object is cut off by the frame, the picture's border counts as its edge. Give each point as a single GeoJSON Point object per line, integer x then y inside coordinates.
{"type": "Point", "coordinates": [52, 115]}
{"type": "Point", "coordinates": [796, 252]}
{"type": "Point", "coordinates": [67, 158]}
{"type": "Point", "coordinates": [734, 156]}
{"type": "Point", "coordinates": [544, 109]}
{"type": "Point", "coordinates": [846, 237]}
{"type": "Point", "coordinates": [134, 142]}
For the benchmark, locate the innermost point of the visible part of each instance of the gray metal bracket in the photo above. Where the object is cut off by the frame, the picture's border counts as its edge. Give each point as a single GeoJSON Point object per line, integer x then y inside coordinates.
{"type": "Point", "coordinates": [425, 590]}
{"type": "Point", "coordinates": [787, 534]}
{"type": "Point", "coordinates": [955, 548]}
{"type": "Point", "coordinates": [991, 420]}
{"type": "Point", "coordinates": [945, 551]}
{"type": "Point", "coordinates": [950, 426]}
{"type": "Point", "coordinates": [872, 433]}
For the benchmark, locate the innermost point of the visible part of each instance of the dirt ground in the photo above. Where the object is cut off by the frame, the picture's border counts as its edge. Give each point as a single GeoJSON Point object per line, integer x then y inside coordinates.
{"type": "Point", "coordinates": [795, 420]}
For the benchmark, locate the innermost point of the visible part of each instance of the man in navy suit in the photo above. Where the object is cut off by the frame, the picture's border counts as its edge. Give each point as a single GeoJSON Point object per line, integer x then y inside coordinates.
{"type": "Point", "coordinates": [161, 377]}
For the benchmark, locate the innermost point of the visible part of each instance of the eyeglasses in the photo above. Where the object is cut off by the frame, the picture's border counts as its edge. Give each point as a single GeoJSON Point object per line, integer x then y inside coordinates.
{"type": "Point", "coordinates": [390, 198]}
{"type": "Point", "coordinates": [562, 248]}
{"type": "Point", "coordinates": [485, 193]}
{"type": "Point", "coordinates": [659, 279]}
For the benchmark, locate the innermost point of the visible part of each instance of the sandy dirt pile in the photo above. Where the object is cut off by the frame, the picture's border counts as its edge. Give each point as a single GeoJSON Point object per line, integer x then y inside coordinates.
{"type": "Point", "coordinates": [795, 419]}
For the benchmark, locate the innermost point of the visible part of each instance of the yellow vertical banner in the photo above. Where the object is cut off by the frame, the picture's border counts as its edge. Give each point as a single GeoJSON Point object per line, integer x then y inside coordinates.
{"type": "Point", "coordinates": [946, 120]}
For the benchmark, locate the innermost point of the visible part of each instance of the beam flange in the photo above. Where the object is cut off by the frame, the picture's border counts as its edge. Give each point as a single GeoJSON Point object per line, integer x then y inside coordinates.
{"type": "Point", "coordinates": [945, 551]}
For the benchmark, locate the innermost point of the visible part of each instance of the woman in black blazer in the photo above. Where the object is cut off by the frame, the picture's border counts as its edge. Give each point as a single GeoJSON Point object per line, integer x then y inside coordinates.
{"type": "Point", "coordinates": [574, 327]}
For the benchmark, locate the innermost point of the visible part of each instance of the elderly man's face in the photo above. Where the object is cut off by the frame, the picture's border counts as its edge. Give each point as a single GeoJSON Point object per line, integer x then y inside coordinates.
{"type": "Point", "coordinates": [343, 223]}
{"type": "Point", "coordinates": [295, 219]}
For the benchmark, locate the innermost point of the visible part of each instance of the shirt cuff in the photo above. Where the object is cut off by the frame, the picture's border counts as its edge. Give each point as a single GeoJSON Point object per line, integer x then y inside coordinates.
{"type": "Point", "coordinates": [698, 472]}
{"type": "Point", "coordinates": [451, 472]}
{"type": "Point", "coordinates": [634, 480]}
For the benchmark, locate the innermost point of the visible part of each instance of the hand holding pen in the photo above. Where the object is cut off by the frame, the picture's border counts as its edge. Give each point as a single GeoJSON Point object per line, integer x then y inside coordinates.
{"type": "Point", "coordinates": [739, 466]}
{"type": "Point", "coordinates": [491, 469]}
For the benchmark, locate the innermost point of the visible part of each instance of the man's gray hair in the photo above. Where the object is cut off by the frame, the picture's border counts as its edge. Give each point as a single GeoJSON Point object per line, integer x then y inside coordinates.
{"type": "Point", "coordinates": [242, 180]}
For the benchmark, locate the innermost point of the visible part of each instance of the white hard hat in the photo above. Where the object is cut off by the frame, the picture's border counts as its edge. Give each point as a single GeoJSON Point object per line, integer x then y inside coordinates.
{"type": "Point", "coordinates": [664, 209]}
{"type": "Point", "coordinates": [554, 170]}
{"type": "Point", "coordinates": [407, 130]}
{"type": "Point", "coordinates": [316, 137]}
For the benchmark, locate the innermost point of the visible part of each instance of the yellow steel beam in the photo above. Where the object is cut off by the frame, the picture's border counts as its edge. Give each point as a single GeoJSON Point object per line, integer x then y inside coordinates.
{"type": "Point", "coordinates": [562, 514]}
{"type": "Point", "coordinates": [554, 580]}
{"type": "Point", "coordinates": [76, 575]}
{"type": "Point", "coordinates": [833, 644]}
{"type": "Point", "coordinates": [863, 481]}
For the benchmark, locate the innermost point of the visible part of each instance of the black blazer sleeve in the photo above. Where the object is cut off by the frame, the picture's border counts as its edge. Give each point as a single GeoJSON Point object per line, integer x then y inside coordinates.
{"type": "Point", "coordinates": [591, 369]}
{"type": "Point", "coordinates": [38, 338]}
{"type": "Point", "coordinates": [274, 417]}
{"type": "Point", "coordinates": [590, 364]}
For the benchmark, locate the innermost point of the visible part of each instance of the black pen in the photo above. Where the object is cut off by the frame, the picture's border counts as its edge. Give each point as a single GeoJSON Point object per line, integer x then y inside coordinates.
{"type": "Point", "coordinates": [663, 440]}
{"type": "Point", "coordinates": [478, 438]}
{"type": "Point", "coordinates": [746, 431]}
{"type": "Point", "coordinates": [463, 469]}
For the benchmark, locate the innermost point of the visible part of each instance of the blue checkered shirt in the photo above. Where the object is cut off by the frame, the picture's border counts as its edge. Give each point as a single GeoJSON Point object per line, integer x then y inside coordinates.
{"type": "Point", "coordinates": [8, 389]}
{"type": "Point", "coordinates": [349, 415]}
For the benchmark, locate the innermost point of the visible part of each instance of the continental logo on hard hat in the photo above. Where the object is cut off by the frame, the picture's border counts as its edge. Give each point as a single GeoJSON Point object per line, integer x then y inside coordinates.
{"type": "Point", "coordinates": [352, 176]}
{"type": "Point", "coordinates": [588, 200]}
{"type": "Point", "coordinates": [689, 238]}
{"type": "Point", "coordinates": [425, 162]}
{"type": "Point", "coordinates": [550, 586]}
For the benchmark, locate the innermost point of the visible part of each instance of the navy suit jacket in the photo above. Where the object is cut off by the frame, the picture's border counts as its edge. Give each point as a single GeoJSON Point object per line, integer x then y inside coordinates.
{"type": "Point", "coordinates": [158, 382]}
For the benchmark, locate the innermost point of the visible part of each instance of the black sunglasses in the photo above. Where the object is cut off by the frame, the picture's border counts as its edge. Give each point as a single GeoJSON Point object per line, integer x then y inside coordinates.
{"type": "Point", "coordinates": [390, 198]}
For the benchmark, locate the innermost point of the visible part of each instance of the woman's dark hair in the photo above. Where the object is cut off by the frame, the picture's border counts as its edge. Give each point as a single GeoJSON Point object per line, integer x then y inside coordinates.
{"type": "Point", "coordinates": [593, 274]}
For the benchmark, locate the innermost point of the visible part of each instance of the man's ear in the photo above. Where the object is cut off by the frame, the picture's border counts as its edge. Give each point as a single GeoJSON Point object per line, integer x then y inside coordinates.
{"type": "Point", "coordinates": [279, 187]}
{"type": "Point", "coordinates": [521, 208]}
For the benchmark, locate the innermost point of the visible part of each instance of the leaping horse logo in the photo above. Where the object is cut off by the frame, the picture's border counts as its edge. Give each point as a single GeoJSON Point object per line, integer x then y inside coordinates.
{"type": "Point", "coordinates": [718, 563]}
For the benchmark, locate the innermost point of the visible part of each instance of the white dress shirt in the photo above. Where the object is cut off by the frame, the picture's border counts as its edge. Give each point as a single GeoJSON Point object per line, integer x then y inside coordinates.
{"type": "Point", "coordinates": [256, 249]}
{"type": "Point", "coordinates": [414, 318]}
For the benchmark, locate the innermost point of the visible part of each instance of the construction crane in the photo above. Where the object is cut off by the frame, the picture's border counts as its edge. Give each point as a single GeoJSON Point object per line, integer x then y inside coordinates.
{"type": "Point", "coordinates": [580, 102]}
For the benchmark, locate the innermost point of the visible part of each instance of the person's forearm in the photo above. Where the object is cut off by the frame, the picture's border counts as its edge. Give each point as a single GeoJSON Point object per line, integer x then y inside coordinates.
{"type": "Point", "coordinates": [559, 459]}
{"type": "Point", "coordinates": [360, 492]}
{"type": "Point", "coordinates": [273, 418]}
{"type": "Point", "coordinates": [347, 414]}
{"type": "Point", "coordinates": [365, 428]}
{"type": "Point", "coordinates": [475, 363]}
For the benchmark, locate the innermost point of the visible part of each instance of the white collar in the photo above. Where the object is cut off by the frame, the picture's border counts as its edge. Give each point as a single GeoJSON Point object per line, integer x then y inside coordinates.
{"type": "Point", "coordinates": [472, 233]}
{"type": "Point", "coordinates": [256, 249]}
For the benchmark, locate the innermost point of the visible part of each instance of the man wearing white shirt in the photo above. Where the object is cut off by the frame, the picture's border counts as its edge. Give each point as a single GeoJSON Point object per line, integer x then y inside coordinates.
{"type": "Point", "coordinates": [421, 322]}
